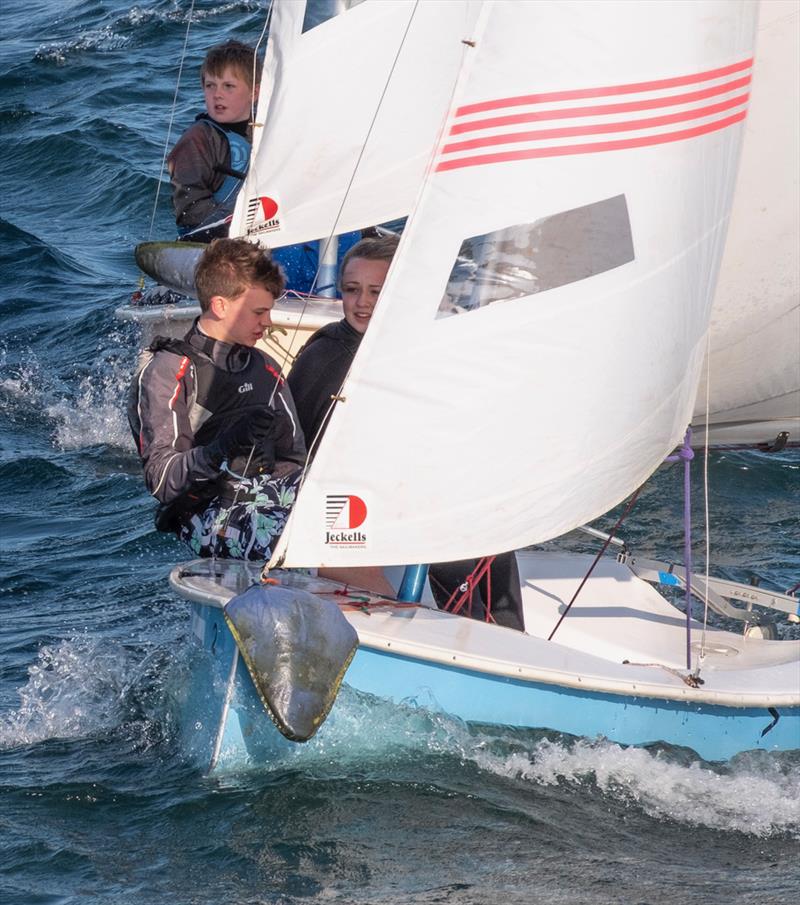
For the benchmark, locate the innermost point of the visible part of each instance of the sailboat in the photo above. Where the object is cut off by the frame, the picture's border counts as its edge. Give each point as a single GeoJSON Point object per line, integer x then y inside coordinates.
{"type": "Point", "coordinates": [311, 212]}
{"type": "Point", "coordinates": [541, 346]}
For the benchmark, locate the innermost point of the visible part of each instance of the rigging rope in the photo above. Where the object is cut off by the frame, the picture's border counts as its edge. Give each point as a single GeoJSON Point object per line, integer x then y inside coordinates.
{"type": "Point", "coordinates": [171, 121]}
{"type": "Point", "coordinates": [463, 593]}
{"type": "Point", "coordinates": [707, 523]}
{"type": "Point", "coordinates": [603, 549]}
{"type": "Point", "coordinates": [255, 70]}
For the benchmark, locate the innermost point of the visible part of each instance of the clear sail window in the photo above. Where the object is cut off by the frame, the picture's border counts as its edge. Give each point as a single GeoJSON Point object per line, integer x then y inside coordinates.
{"type": "Point", "coordinates": [319, 11]}
{"type": "Point", "coordinates": [522, 260]}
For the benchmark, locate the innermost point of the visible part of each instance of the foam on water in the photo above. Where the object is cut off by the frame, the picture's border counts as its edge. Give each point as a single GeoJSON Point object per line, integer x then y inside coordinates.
{"type": "Point", "coordinates": [74, 689]}
{"type": "Point", "coordinates": [86, 686]}
{"type": "Point", "coordinates": [733, 797]}
{"type": "Point", "coordinates": [95, 415]}
{"type": "Point", "coordinates": [91, 414]}
{"type": "Point", "coordinates": [754, 794]}
{"type": "Point", "coordinates": [123, 30]}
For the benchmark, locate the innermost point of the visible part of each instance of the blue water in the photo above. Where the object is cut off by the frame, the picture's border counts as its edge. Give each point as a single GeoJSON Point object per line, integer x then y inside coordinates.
{"type": "Point", "coordinates": [97, 802]}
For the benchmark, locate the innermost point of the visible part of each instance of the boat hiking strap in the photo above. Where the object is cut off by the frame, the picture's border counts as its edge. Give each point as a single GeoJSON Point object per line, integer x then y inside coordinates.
{"type": "Point", "coordinates": [463, 593]}
{"type": "Point", "coordinates": [603, 549]}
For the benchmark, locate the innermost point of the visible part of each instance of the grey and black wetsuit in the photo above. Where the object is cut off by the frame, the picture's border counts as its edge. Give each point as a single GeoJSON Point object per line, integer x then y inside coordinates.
{"type": "Point", "coordinates": [183, 394]}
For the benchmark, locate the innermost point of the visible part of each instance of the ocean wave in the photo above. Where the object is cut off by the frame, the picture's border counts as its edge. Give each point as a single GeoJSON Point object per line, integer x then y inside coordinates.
{"type": "Point", "coordinates": [76, 688]}
{"type": "Point", "coordinates": [43, 472]}
{"type": "Point", "coordinates": [130, 27]}
{"type": "Point", "coordinates": [24, 252]}
{"type": "Point", "coordinates": [753, 794]}
{"type": "Point", "coordinates": [103, 39]}
{"type": "Point", "coordinates": [92, 413]}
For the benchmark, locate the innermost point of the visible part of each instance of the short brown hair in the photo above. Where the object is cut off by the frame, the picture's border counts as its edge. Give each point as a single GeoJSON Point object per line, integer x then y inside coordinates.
{"type": "Point", "coordinates": [374, 248]}
{"type": "Point", "coordinates": [229, 267]}
{"type": "Point", "coordinates": [240, 57]}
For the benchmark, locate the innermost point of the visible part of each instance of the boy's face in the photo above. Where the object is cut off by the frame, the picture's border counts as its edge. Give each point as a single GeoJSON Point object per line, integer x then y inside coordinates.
{"type": "Point", "coordinates": [362, 281]}
{"type": "Point", "coordinates": [228, 96]}
{"type": "Point", "coordinates": [242, 319]}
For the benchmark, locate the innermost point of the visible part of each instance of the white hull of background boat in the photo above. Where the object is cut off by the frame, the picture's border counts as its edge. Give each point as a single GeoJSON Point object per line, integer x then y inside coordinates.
{"type": "Point", "coordinates": [614, 670]}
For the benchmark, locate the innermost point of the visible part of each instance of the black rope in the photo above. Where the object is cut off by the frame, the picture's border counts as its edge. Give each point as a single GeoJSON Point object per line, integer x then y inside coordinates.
{"type": "Point", "coordinates": [603, 549]}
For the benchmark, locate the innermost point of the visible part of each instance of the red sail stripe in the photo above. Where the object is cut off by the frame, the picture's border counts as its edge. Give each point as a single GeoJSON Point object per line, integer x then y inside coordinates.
{"type": "Point", "coordinates": [592, 148]}
{"type": "Point", "coordinates": [604, 92]}
{"type": "Point", "coordinates": [598, 128]}
{"type": "Point", "coordinates": [601, 110]}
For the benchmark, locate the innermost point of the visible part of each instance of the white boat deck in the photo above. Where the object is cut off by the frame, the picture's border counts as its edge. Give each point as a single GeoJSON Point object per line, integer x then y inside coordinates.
{"type": "Point", "coordinates": [618, 616]}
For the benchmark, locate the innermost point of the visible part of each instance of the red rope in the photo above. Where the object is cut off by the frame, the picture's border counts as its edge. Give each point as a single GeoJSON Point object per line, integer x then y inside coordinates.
{"type": "Point", "coordinates": [455, 602]}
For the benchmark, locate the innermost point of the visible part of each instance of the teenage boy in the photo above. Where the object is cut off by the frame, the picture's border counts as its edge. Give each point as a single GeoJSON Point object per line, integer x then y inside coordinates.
{"type": "Point", "coordinates": [212, 419]}
{"type": "Point", "coordinates": [317, 376]}
{"type": "Point", "coordinates": [209, 161]}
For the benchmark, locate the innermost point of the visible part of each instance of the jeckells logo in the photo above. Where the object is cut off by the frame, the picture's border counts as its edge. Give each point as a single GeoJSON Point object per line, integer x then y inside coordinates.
{"type": "Point", "coordinates": [344, 515]}
{"type": "Point", "coordinates": [262, 215]}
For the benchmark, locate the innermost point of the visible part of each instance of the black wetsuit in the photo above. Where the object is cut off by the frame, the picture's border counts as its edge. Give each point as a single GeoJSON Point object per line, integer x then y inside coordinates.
{"type": "Point", "coordinates": [318, 374]}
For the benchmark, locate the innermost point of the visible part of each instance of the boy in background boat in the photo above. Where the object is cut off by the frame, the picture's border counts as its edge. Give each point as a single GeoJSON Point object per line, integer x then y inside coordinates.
{"type": "Point", "coordinates": [212, 419]}
{"type": "Point", "coordinates": [315, 381]}
{"type": "Point", "coordinates": [209, 161]}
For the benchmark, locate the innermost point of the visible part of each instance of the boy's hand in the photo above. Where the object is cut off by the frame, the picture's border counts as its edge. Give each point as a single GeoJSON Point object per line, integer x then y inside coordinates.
{"type": "Point", "coordinates": [251, 429]}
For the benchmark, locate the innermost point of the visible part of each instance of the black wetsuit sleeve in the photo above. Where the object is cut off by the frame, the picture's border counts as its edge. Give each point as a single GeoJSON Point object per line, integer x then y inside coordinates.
{"type": "Point", "coordinates": [316, 375]}
{"type": "Point", "coordinates": [193, 167]}
{"type": "Point", "coordinates": [284, 402]}
{"type": "Point", "coordinates": [173, 465]}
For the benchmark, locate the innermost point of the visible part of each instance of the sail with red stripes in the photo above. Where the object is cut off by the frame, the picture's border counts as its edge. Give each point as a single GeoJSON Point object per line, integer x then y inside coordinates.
{"type": "Point", "coordinates": [536, 350]}
{"type": "Point", "coordinates": [597, 120]}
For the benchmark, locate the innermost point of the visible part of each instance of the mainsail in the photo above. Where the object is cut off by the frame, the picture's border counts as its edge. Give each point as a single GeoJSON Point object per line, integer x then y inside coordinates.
{"type": "Point", "coordinates": [540, 336]}
{"type": "Point", "coordinates": [352, 100]}
{"type": "Point", "coordinates": [754, 361]}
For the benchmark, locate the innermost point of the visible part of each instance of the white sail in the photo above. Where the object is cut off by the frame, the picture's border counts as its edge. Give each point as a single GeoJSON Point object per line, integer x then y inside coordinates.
{"type": "Point", "coordinates": [359, 95]}
{"type": "Point", "coordinates": [755, 322]}
{"type": "Point", "coordinates": [539, 340]}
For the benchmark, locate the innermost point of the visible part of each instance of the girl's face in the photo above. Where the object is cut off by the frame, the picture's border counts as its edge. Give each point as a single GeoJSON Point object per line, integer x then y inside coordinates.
{"type": "Point", "coordinates": [362, 282]}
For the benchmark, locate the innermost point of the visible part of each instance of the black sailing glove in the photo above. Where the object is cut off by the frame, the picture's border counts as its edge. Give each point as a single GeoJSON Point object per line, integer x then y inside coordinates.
{"type": "Point", "coordinates": [251, 429]}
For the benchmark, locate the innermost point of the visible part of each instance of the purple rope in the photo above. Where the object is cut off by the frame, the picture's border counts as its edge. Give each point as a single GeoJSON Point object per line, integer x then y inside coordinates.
{"type": "Point", "coordinates": [686, 454]}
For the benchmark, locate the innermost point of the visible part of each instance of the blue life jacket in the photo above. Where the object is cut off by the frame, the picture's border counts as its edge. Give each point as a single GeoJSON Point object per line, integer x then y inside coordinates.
{"type": "Point", "coordinates": [240, 157]}
{"type": "Point", "coordinates": [225, 195]}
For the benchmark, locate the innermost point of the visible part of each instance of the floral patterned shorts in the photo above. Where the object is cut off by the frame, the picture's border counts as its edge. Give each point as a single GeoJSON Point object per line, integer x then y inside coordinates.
{"type": "Point", "coordinates": [248, 527]}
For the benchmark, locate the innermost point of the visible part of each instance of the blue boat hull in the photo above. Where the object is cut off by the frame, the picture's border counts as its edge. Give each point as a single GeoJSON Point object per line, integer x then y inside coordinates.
{"type": "Point", "coordinates": [241, 733]}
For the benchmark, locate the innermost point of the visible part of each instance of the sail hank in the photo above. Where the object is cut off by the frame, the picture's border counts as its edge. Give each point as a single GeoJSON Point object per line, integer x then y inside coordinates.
{"type": "Point", "coordinates": [350, 107]}
{"type": "Point", "coordinates": [479, 420]}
